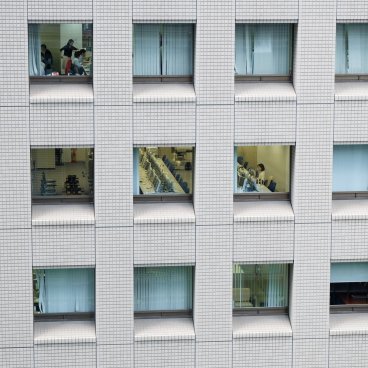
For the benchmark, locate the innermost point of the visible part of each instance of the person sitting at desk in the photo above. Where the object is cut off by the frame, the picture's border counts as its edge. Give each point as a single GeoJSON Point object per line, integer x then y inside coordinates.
{"type": "Point", "coordinates": [260, 173]}
{"type": "Point", "coordinates": [77, 67]}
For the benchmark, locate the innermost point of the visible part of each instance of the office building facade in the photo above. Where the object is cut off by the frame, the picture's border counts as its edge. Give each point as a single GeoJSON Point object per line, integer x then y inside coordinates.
{"type": "Point", "coordinates": [182, 250]}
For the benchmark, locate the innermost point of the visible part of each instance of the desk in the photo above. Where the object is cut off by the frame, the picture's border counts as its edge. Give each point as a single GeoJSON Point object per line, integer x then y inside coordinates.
{"type": "Point", "coordinates": [144, 183]}
{"type": "Point", "coordinates": [244, 173]}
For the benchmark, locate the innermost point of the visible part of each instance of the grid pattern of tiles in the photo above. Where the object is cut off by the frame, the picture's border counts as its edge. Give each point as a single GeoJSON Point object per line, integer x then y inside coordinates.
{"type": "Point", "coordinates": [213, 115]}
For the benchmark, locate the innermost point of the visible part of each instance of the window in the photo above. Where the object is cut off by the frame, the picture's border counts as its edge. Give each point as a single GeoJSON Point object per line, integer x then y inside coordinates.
{"type": "Point", "coordinates": [260, 286]}
{"type": "Point", "coordinates": [163, 289]}
{"type": "Point", "coordinates": [352, 49]}
{"type": "Point", "coordinates": [64, 292]}
{"type": "Point", "coordinates": [62, 174]}
{"type": "Point", "coordinates": [263, 49]}
{"type": "Point", "coordinates": [163, 171]}
{"type": "Point", "coordinates": [261, 170]}
{"type": "Point", "coordinates": [349, 286]}
{"type": "Point", "coordinates": [163, 50]}
{"type": "Point", "coordinates": [60, 50]}
{"type": "Point", "coordinates": [350, 171]}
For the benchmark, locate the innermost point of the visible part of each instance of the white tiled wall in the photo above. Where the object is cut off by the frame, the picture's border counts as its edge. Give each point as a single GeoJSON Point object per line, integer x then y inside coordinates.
{"type": "Point", "coordinates": [213, 117]}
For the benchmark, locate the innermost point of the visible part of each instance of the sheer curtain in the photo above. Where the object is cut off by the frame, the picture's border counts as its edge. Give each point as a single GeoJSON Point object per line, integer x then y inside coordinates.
{"type": "Point", "coordinates": [341, 54]}
{"type": "Point", "coordinates": [263, 49]}
{"type": "Point", "coordinates": [34, 51]}
{"type": "Point", "coordinates": [277, 285]}
{"type": "Point", "coordinates": [146, 49]}
{"type": "Point", "coordinates": [357, 38]}
{"type": "Point", "coordinates": [163, 288]}
{"type": "Point", "coordinates": [177, 51]}
{"type": "Point", "coordinates": [67, 290]}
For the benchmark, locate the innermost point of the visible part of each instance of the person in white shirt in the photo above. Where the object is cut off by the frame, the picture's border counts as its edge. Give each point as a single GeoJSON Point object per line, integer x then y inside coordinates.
{"type": "Point", "coordinates": [78, 68]}
{"type": "Point", "coordinates": [261, 173]}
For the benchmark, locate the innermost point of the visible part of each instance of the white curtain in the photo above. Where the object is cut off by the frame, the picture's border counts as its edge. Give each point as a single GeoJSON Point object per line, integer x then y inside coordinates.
{"type": "Point", "coordinates": [341, 54]}
{"type": "Point", "coordinates": [34, 51]}
{"type": "Point", "coordinates": [263, 49]}
{"type": "Point", "coordinates": [146, 49]}
{"type": "Point", "coordinates": [163, 288]}
{"type": "Point", "coordinates": [357, 54]}
{"type": "Point", "coordinates": [67, 290]}
{"type": "Point", "coordinates": [277, 285]}
{"type": "Point", "coordinates": [177, 51]}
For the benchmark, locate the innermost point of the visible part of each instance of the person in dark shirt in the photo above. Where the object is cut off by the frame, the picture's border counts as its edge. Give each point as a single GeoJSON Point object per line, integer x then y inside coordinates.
{"type": "Point", "coordinates": [46, 58]}
{"type": "Point", "coordinates": [68, 51]}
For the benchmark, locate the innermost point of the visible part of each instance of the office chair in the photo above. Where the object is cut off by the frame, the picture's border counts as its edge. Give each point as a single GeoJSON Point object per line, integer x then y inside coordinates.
{"type": "Point", "coordinates": [163, 158]}
{"type": "Point", "coordinates": [177, 177]}
{"type": "Point", "coordinates": [245, 165]}
{"type": "Point", "coordinates": [240, 160]}
{"type": "Point", "coordinates": [272, 186]}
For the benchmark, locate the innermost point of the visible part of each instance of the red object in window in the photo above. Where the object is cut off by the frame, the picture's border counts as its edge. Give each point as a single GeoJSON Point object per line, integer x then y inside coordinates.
{"type": "Point", "coordinates": [68, 66]}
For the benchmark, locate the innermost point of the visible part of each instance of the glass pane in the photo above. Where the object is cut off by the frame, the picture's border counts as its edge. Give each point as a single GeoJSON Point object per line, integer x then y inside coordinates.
{"type": "Point", "coordinates": [64, 290]}
{"type": "Point", "coordinates": [263, 49]}
{"type": "Point", "coordinates": [260, 286]}
{"type": "Point", "coordinates": [262, 169]}
{"type": "Point", "coordinates": [60, 49]}
{"type": "Point", "coordinates": [163, 170]}
{"type": "Point", "coordinates": [163, 49]}
{"type": "Point", "coordinates": [163, 288]}
{"type": "Point", "coordinates": [350, 168]}
{"type": "Point", "coordinates": [349, 283]}
{"type": "Point", "coordinates": [62, 173]}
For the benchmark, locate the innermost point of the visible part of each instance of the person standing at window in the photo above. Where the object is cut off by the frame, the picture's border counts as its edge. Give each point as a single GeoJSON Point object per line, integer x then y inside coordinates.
{"type": "Point", "coordinates": [46, 58]}
{"type": "Point", "coordinates": [67, 55]}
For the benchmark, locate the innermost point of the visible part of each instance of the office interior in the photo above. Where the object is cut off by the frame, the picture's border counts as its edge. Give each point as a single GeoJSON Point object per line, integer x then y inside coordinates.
{"type": "Point", "coordinates": [163, 170]}
{"type": "Point", "coordinates": [55, 36]}
{"type": "Point", "coordinates": [275, 160]}
{"type": "Point", "coordinates": [62, 174]}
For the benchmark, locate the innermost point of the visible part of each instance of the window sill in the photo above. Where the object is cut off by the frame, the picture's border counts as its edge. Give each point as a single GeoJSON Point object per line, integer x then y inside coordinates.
{"type": "Point", "coordinates": [349, 209]}
{"type": "Point", "coordinates": [263, 211]}
{"type": "Point", "coordinates": [57, 92]}
{"type": "Point", "coordinates": [264, 91]}
{"type": "Point", "coordinates": [163, 329]}
{"type": "Point", "coordinates": [163, 92]}
{"type": "Point", "coordinates": [64, 332]}
{"type": "Point", "coordinates": [63, 214]}
{"type": "Point", "coordinates": [160, 212]}
{"type": "Point", "coordinates": [349, 324]}
{"type": "Point", "coordinates": [347, 91]}
{"type": "Point", "coordinates": [261, 326]}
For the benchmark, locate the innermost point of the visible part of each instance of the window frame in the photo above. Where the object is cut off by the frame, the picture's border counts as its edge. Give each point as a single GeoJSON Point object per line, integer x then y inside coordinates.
{"type": "Point", "coordinates": [255, 311]}
{"type": "Point", "coordinates": [182, 313]}
{"type": "Point", "coordinates": [270, 77]}
{"type": "Point", "coordinates": [161, 78]}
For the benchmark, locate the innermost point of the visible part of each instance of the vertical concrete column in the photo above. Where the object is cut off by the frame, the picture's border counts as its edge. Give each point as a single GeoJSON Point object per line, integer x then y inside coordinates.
{"type": "Point", "coordinates": [214, 86]}
{"type": "Point", "coordinates": [311, 184]}
{"type": "Point", "coordinates": [16, 320]}
{"type": "Point", "coordinates": [112, 27]}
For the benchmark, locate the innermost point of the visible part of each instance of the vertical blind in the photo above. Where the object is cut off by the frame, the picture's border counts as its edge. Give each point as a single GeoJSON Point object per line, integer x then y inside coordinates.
{"type": "Point", "coordinates": [66, 290]}
{"type": "Point", "coordinates": [34, 51]}
{"type": "Point", "coordinates": [351, 48]}
{"type": "Point", "coordinates": [163, 288]}
{"type": "Point", "coordinates": [263, 49]}
{"type": "Point", "coordinates": [267, 285]}
{"type": "Point", "coordinates": [163, 49]}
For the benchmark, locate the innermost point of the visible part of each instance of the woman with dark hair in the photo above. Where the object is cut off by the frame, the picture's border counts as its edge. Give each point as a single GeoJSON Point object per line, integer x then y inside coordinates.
{"type": "Point", "coordinates": [261, 173]}
{"type": "Point", "coordinates": [77, 67]}
{"type": "Point", "coordinates": [67, 55]}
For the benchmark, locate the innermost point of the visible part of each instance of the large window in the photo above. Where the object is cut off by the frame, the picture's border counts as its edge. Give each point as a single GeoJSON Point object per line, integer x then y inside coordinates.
{"type": "Point", "coordinates": [62, 174]}
{"type": "Point", "coordinates": [349, 285]}
{"type": "Point", "coordinates": [350, 168]}
{"type": "Point", "coordinates": [260, 286]}
{"type": "Point", "coordinates": [262, 169]}
{"type": "Point", "coordinates": [60, 50]}
{"type": "Point", "coordinates": [163, 289]}
{"type": "Point", "coordinates": [63, 292]}
{"type": "Point", "coordinates": [163, 50]}
{"type": "Point", "coordinates": [263, 49]}
{"type": "Point", "coordinates": [352, 48]}
{"type": "Point", "coordinates": [163, 171]}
